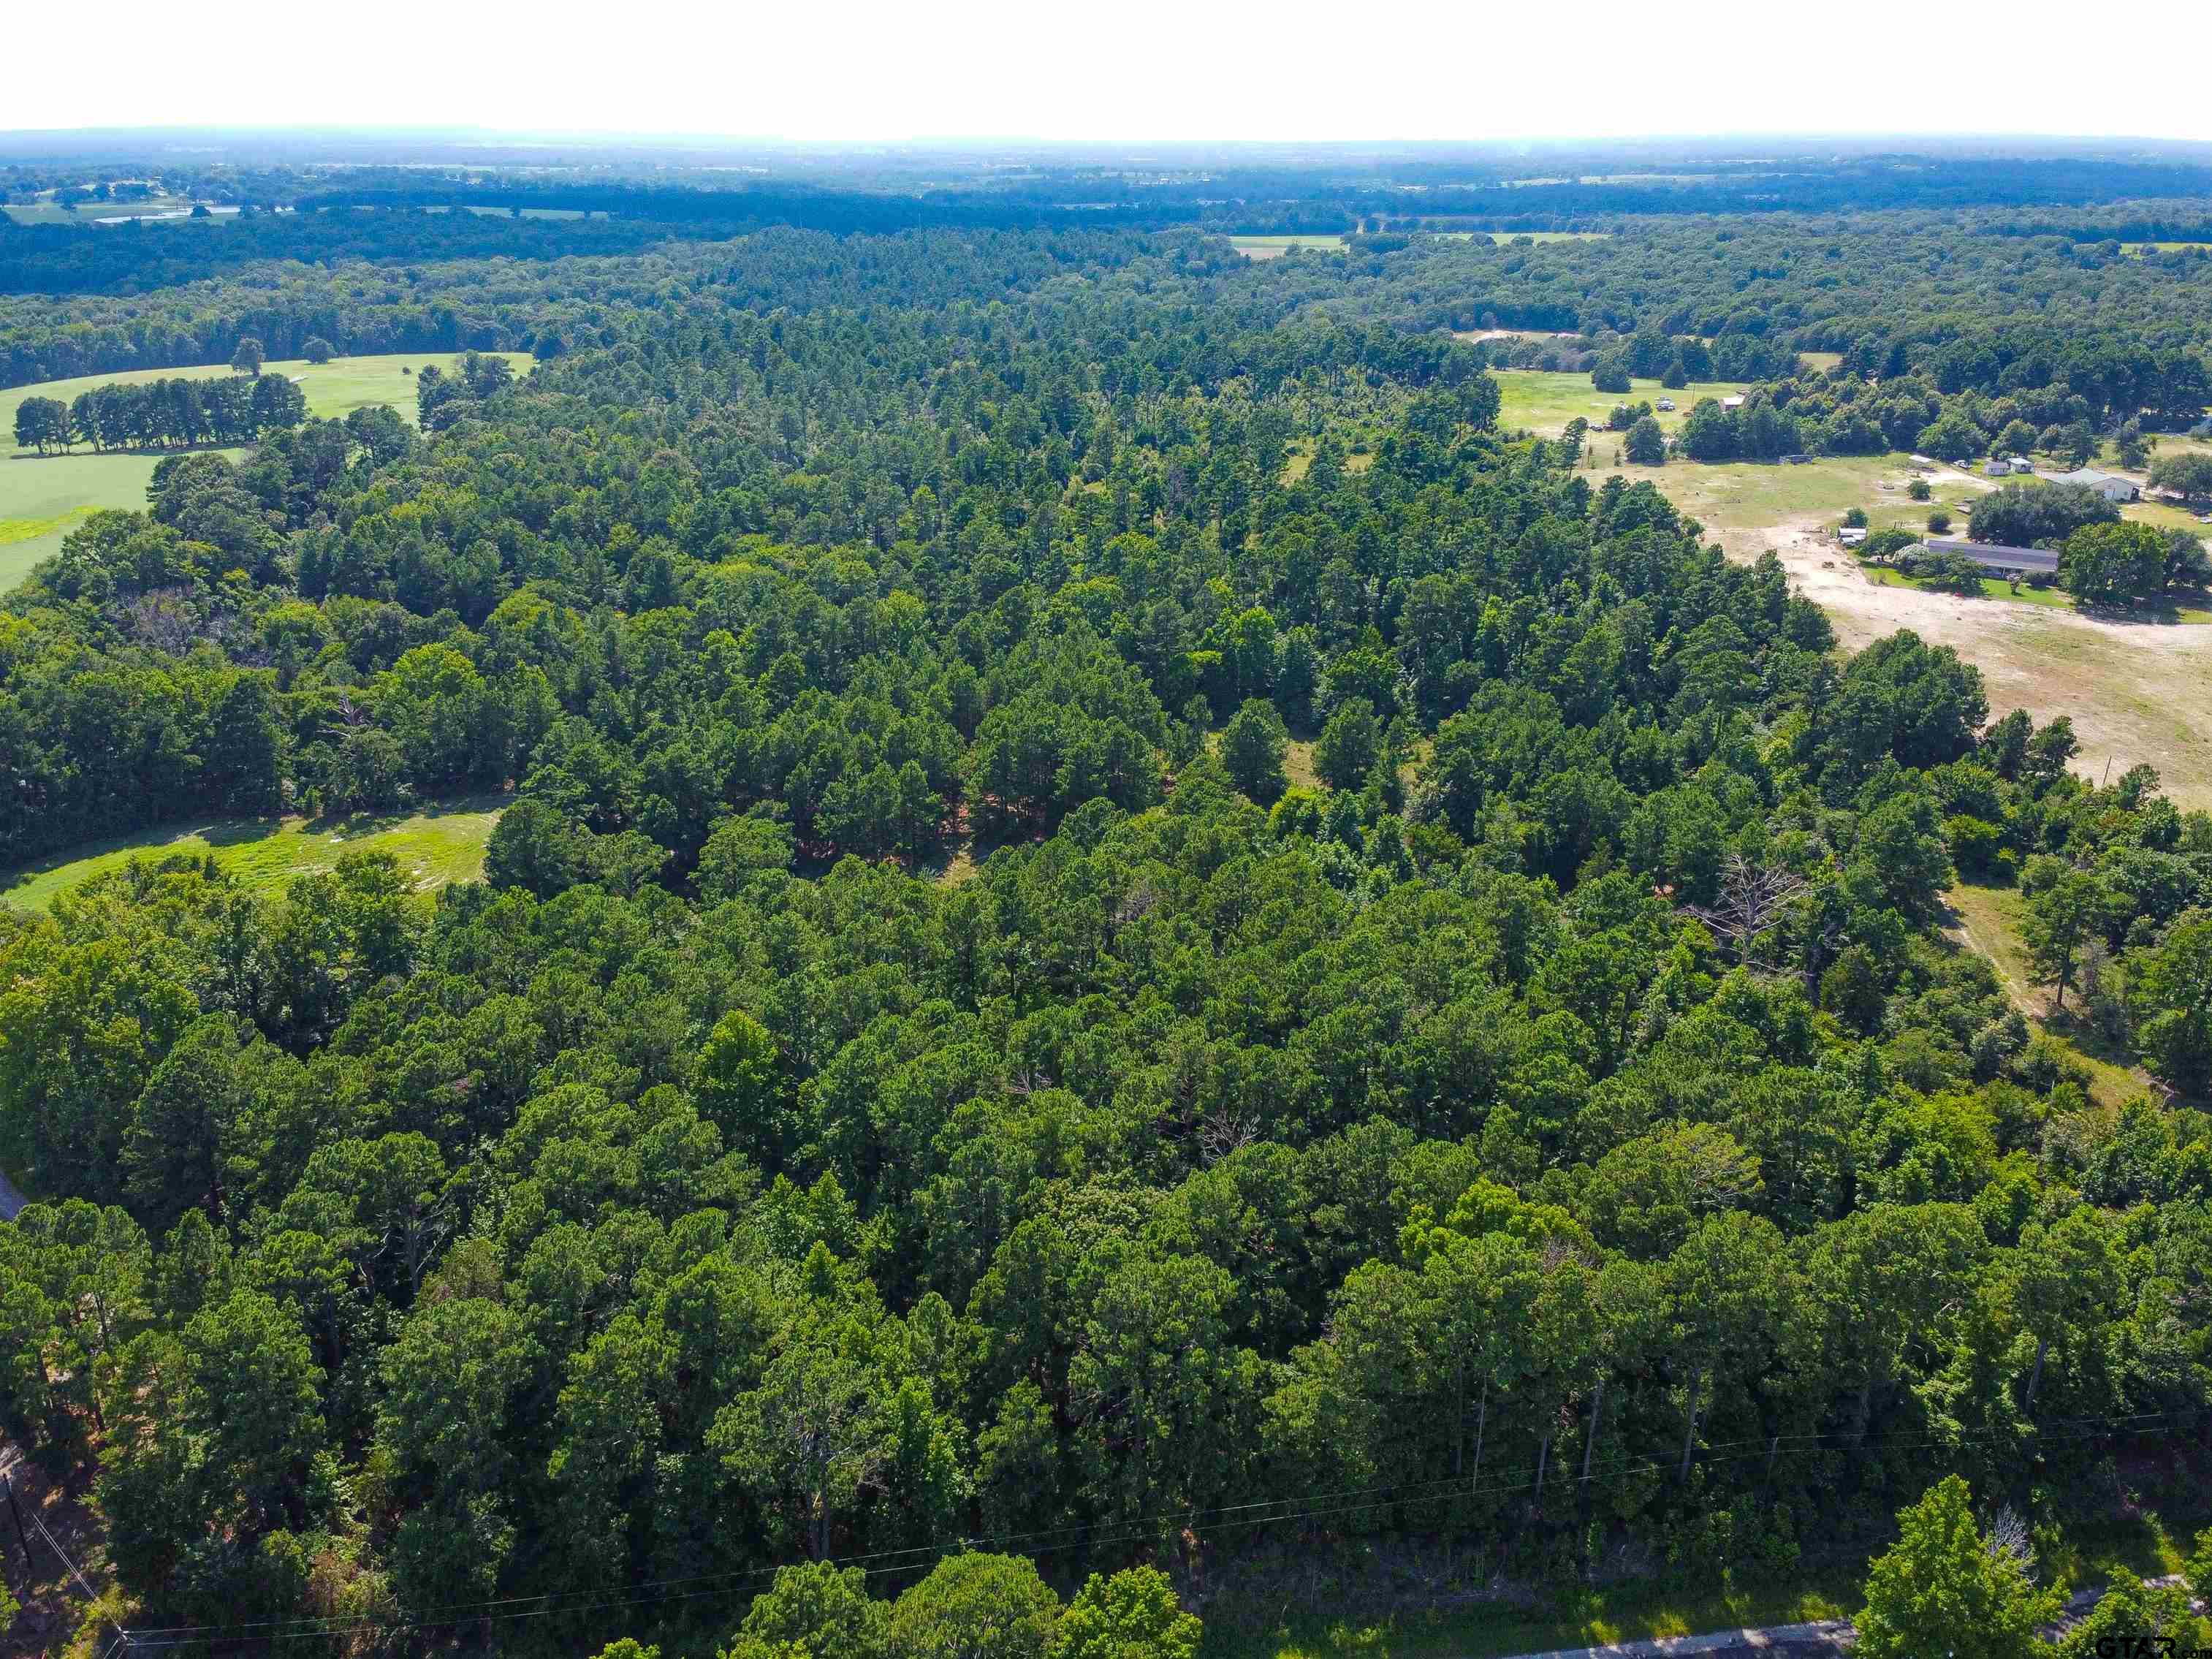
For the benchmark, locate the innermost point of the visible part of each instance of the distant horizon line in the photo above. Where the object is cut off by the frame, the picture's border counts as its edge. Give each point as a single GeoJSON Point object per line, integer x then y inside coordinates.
{"type": "Point", "coordinates": [980, 141]}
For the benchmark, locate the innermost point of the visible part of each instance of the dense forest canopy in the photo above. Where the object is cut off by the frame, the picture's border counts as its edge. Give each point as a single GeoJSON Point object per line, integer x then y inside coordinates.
{"type": "Point", "coordinates": [1963, 294]}
{"type": "Point", "coordinates": [1116, 917]}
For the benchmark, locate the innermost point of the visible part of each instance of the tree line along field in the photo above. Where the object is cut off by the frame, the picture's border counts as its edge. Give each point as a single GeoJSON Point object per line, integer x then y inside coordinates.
{"type": "Point", "coordinates": [43, 497]}
{"type": "Point", "coordinates": [1274, 245]}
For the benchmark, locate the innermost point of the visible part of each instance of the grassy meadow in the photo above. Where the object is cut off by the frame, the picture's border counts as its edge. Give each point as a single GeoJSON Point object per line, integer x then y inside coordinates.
{"type": "Point", "coordinates": [1884, 576]}
{"type": "Point", "coordinates": [46, 212]}
{"type": "Point", "coordinates": [443, 843]}
{"type": "Point", "coordinates": [1545, 400]}
{"type": "Point", "coordinates": [42, 498]}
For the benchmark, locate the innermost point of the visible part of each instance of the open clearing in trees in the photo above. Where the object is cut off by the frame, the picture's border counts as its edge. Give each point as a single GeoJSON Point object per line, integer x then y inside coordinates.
{"type": "Point", "coordinates": [1545, 400]}
{"type": "Point", "coordinates": [43, 498]}
{"type": "Point", "coordinates": [443, 843]}
{"type": "Point", "coordinates": [1275, 247]}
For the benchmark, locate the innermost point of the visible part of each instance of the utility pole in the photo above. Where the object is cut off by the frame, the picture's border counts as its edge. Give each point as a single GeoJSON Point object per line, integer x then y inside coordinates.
{"type": "Point", "coordinates": [22, 1537]}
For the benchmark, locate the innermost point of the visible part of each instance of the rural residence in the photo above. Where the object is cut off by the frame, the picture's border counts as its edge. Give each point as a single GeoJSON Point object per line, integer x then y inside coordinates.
{"type": "Point", "coordinates": [1998, 561]}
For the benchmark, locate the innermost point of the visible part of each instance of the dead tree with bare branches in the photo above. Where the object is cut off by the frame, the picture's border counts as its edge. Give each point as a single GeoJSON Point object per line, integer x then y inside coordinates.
{"type": "Point", "coordinates": [1752, 900]}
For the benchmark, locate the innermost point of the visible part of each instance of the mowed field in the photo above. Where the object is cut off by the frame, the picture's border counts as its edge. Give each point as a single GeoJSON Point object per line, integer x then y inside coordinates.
{"type": "Point", "coordinates": [43, 498]}
{"type": "Point", "coordinates": [443, 843]}
{"type": "Point", "coordinates": [1543, 401]}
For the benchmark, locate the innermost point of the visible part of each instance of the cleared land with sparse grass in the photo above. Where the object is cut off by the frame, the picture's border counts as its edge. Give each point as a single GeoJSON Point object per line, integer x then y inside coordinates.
{"type": "Point", "coordinates": [1487, 1630]}
{"type": "Point", "coordinates": [443, 843]}
{"type": "Point", "coordinates": [42, 498]}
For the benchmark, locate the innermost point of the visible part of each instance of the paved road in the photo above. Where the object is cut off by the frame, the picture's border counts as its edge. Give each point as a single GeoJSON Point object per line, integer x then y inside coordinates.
{"type": "Point", "coordinates": [1827, 1636]}
{"type": "Point", "coordinates": [1812, 1641]}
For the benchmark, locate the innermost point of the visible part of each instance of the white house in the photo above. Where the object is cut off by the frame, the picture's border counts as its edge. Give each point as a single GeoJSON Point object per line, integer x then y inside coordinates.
{"type": "Point", "coordinates": [2109, 485]}
{"type": "Point", "coordinates": [1733, 400]}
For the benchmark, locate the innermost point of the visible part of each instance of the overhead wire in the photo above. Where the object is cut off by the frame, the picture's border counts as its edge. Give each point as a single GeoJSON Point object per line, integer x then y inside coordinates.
{"type": "Point", "coordinates": [1139, 1529]}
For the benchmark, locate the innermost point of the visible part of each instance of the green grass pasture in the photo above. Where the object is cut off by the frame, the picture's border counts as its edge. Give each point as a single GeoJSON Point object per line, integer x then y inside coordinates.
{"type": "Point", "coordinates": [42, 498]}
{"type": "Point", "coordinates": [444, 843]}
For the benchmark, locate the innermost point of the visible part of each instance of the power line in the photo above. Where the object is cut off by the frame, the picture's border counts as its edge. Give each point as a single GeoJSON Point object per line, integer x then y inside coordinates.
{"type": "Point", "coordinates": [1139, 1529]}
{"type": "Point", "coordinates": [39, 1525]}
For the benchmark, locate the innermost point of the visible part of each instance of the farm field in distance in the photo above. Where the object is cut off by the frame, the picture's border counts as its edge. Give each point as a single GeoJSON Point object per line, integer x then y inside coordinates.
{"type": "Point", "coordinates": [92, 213]}
{"type": "Point", "coordinates": [1273, 248]}
{"type": "Point", "coordinates": [44, 497]}
{"type": "Point", "coordinates": [443, 843]}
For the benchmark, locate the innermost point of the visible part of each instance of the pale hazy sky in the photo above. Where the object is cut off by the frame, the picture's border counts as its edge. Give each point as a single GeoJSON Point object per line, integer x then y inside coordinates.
{"type": "Point", "coordinates": [1126, 70]}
